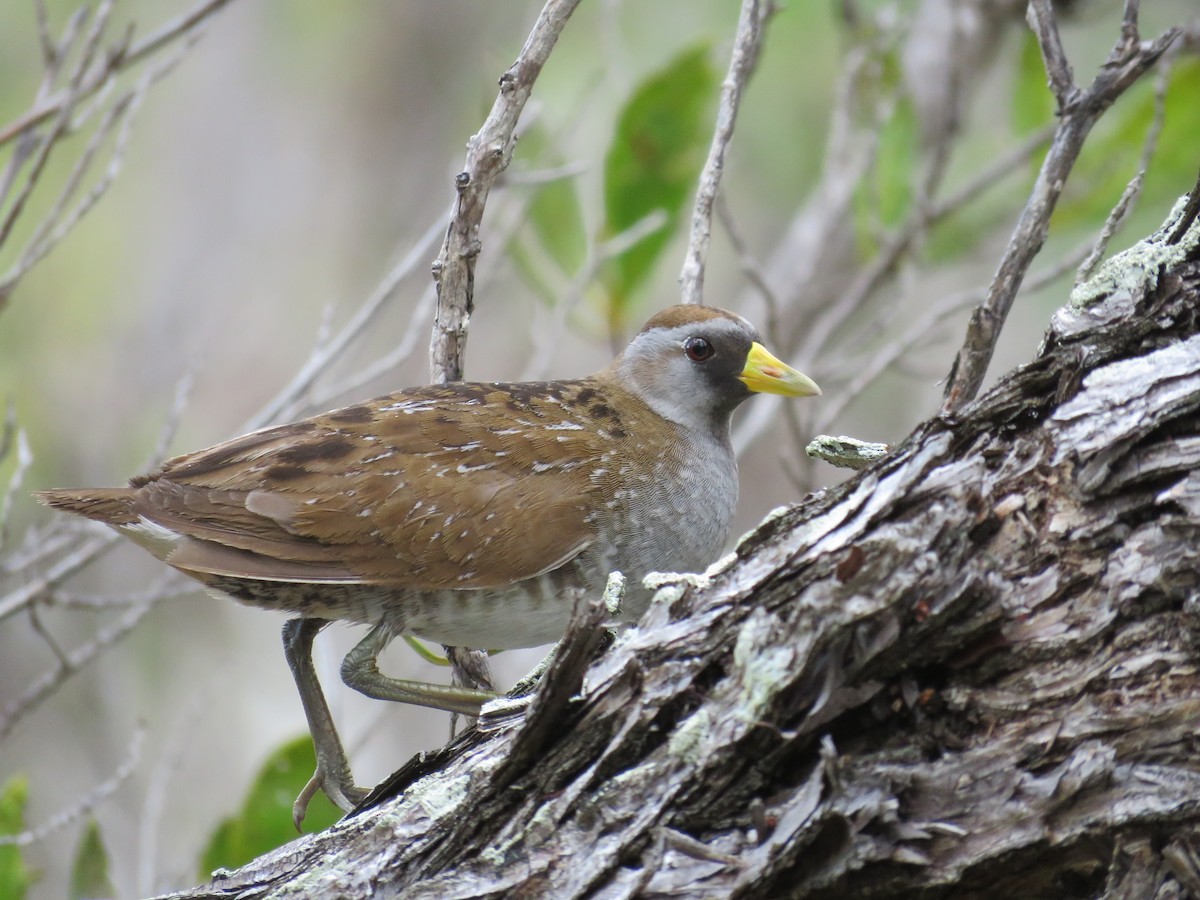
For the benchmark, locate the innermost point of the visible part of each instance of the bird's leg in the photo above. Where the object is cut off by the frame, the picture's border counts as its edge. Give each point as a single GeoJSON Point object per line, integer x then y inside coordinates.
{"type": "Point", "coordinates": [360, 670]}
{"type": "Point", "coordinates": [468, 668]}
{"type": "Point", "coordinates": [333, 769]}
{"type": "Point", "coordinates": [528, 684]}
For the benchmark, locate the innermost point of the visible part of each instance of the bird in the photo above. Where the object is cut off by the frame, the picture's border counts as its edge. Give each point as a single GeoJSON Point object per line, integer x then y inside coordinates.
{"type": "Point", "coordinates": [470, 514]}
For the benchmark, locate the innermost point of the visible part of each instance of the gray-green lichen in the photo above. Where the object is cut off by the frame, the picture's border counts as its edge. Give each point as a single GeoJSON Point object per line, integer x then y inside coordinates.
{"type": "Point", "coordinates": [845, 452]}
{"type": "Point", "coordinates": [761, 669]}
{"type": "Point", "coordinates": [614, 593]}
{"type": "Point", "coordinates": [1140, 265]}
{"type": "Point", "coordinates": [669, 586]}
{"type": "Point", "coordinates": [437, 796]}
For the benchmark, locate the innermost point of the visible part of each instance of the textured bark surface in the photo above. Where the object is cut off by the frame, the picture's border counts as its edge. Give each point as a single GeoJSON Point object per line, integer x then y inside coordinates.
{"type": "Point", "coordinates": [972, 670]}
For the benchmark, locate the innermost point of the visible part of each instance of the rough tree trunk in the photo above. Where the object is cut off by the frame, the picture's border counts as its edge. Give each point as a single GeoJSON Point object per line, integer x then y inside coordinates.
{"type": "Point", "coordinates": [972, 670]}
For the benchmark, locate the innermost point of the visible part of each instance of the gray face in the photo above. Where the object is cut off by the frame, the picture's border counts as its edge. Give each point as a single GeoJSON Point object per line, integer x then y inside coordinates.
{"type": "Point", "coordinates": [688, 372]}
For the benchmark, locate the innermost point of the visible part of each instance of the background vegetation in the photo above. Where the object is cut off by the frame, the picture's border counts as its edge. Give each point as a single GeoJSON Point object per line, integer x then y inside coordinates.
{"type": "Point", "coordinates": [300, 151]}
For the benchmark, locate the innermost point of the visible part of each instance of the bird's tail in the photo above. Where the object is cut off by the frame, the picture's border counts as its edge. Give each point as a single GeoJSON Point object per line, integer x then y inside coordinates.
{"type": "Point", "coordinates": [112, 506]}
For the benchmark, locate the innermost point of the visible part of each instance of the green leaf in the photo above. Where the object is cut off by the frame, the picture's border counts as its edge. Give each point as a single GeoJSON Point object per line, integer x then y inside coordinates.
{"type": "Point", "coordinates": [265, 819]}
{"type": "Point", "coordinates": [532, 261]}
{"type": "Point", "coordinates": [557, 219]}
{"type": "Point", "coordinates": [896, 168]}
{"type": "Point", "coordinates": [554, 211]}
{"type": "Point", "coordinates": [660, 143]}
{"type": "Point", "coordinates": [1032, 103]}
{"type": "Point", "coordinates": [89, 874]}
{"type": "Point", "coordinates": [886, 198]}
{"type": "Point", "coordinates": [1110, 158]}
{"type": "Point", "coordinates": [15, 877]}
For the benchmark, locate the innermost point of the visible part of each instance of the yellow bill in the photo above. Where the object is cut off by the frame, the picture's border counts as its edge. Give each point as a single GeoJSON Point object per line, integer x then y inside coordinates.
{"type": "Point", "coordinates": [767, 375]}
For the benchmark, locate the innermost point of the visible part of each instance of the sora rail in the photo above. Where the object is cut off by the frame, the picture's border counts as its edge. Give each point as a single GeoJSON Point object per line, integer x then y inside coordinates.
{"type": "Point", "coordinates": [469, 514]}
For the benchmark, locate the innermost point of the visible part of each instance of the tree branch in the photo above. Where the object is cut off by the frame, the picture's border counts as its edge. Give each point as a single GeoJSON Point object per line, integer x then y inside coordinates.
{"type": "Point", "coordinates": [1078, 112]}
{"type": "Point", "coordinates": [747, 44]}
{"type": "Point", "coordinates": [114, 64]}
{"type": "Point", "coordinates": [488, 154]}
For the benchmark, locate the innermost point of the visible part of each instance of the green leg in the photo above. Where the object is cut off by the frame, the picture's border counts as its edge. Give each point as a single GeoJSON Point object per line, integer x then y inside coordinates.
{"type": "Point", "coordinates": [333, 769]}
{"type": "Point", "coordinates": [360, 670]}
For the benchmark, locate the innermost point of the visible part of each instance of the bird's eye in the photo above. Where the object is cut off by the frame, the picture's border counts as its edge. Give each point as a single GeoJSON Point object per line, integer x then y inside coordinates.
{"type": "Point", "coordinates": [697, 349]}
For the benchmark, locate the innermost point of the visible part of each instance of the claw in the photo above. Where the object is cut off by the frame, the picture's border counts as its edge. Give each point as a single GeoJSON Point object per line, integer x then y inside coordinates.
{"type": "Point", "coordinates": [345, 795]}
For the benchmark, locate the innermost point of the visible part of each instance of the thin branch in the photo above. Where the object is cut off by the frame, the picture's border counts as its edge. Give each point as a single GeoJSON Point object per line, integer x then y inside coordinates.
{"type": "Point", "coordinates": [863, 372]}
{"type": "Point", "coordinates": [751, 268]}
{"type": "Point", "coordinates": [114, 65]}
{"type": "Point", "coordinates": [488, 154]}
{"type": "Point", "coordinates": [1129, 197]}
{"type": "Point", "coordinates": [85, 804]}
{"type": "Point", "coordinates": [364, 375]}
{"type": "Point", "coordinates": [120, 116]}
{"type": "Point", "coordinates": [987, 177]}
{"type": "Point", "coordinates": [16, 600]}
{"type": "Point", "coordinates": [124, 600]}
{"type": "Point", "coordinates": [9, 436]}
{"type": "Point", "coordinates": [747, 44]}
{"type": "Point", "coordinates": [45, 41]}
{"type": "Point", "coordinates": [597, 256]}
{"type": "Point", "coordinates": [1078, 112]}
{"type": "Point", "coordinates": [61, 122]}
{"type": "Point", "coordinates": [179, 739]}
{"type": "Point", "coordinates": [1116, 218]}
{"type": "Point", "coordinates": [326, 353]}
{"type": "Point", "coordinates": [47, 684]}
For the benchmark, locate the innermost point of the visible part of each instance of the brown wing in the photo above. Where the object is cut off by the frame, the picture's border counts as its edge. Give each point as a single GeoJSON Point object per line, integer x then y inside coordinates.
{"type": "Point", "coordinates": [417, 489]}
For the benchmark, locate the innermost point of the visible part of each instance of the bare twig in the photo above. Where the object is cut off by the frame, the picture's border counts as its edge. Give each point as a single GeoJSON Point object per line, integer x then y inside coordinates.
{"type": "Point", "coordinates": [323, 355]}
{"type": "Point", "coordinates": [573, 296]}
{"type": "Point", "coordinates": [151, 823]}
{"type": "Point", "coordinates": [747, 44]}
{"type": "Point", "coordinates": [488, 154]}
{"type": "Point", "coordinates": [1116, 218]}
{"type": "Point", "coordinates": [86, 803]}
{"type": "Point", "coordinates": [1078, 112]}
{"type": "Point", "coordinates": [61, 123]}
{"type": "Point", "coordinates": [43, 687]}
{"type": "Point", "coordinates": [114, 65]}
{"type": "Point", "coordinates": [364, 375]}
{"type": "Point", "coordinates": [17, 599]}
{"type": "Point", "coordinates": [93, 72]}
{"type": "Point", "coordinates": [58, 223]}
{"type": "Point", "coordinates": [69, 600]}
{"type": "Point", "coordinates": [49, 55]}
{"type": "Point", "coordinates": [1129, 197]}
{"type": "Point", "coordinates": [862, 371]}
{"type": "Point", "coordinates": [987, 177]}
{"type": "Point", "coordinates": [751, 268]}
{"type": "Point", "coordinates": [11, 435]}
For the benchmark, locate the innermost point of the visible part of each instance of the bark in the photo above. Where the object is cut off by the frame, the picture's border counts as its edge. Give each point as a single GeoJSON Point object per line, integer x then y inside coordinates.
{"type": "Point", "coordinates": [970, 671]}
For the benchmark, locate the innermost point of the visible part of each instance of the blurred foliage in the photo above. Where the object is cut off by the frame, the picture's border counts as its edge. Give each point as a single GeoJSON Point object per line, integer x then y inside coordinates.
{"type": "Point", "coordinates": [89, 874]}
{"type": "Point", "coordinates": [657, 150]}
{"type": "Point", "coordinates": [885, 198]}
{"type": "Point", "coordinates": [557, 235]}
{"type": "Point", "coordinates": [1033, 104]}
{"type": "Point", "coordinates": [15, 876]}
{"type": "Point", "coordinates": [265, 819]}
{"type": "Point", "coordinates": [1110, 158]}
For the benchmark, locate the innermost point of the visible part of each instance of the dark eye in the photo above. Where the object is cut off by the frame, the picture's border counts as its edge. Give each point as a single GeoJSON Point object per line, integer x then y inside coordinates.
{"type": "Point", "coordinates": [697, 349]}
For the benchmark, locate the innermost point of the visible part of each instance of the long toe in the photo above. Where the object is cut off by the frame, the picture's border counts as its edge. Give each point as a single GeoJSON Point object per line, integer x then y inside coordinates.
{"type": "Point", "coordinates": [345, 796]}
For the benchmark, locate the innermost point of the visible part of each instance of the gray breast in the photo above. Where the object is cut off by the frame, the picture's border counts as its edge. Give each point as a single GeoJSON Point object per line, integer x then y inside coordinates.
{"type": "Point", "coordinates": [677, 518]}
